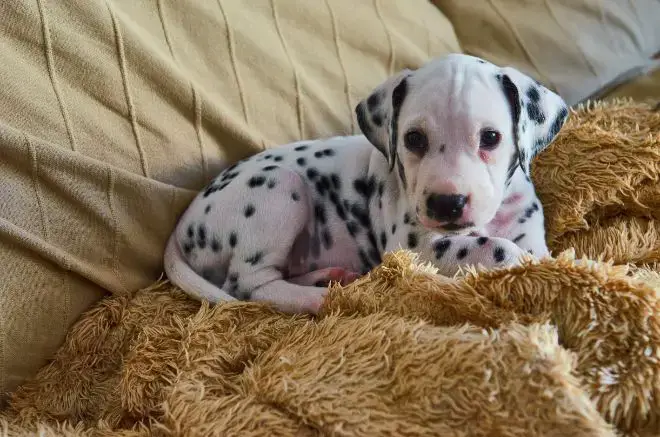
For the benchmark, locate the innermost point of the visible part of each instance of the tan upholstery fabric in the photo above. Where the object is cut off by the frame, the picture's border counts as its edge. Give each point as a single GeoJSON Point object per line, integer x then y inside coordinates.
{"type": "Point", "coordinates": [114, 112]}
{"type": "Point", "coordinates": [573, 46]}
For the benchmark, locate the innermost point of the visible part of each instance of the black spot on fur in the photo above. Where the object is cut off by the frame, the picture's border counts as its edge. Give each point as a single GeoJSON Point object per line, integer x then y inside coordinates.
{"type": "Point", "coordinates": [374, 100]}
{"type": "Point", "coordinates": [319, 213]}
{"type": "Point", "coordinates": [326, 238]}
{"type": "Point", "coordinates": [215, 245]}
{"type": "Point", "coordinates": [271, 183]}
{"type": "Point", "coordinates": [365, 127]}
{"type": "Point", "coordinates": [336, 182]}
{"type": "Point", "coordinates": [249, 210]}
{"type": "Point", "coordinates": [377, 118]}
{"type": "Point", "coordinates": [375, 256]}
{"type": "Point", "coordinates": [521, 220]}
{"type": "Point", "coordinates": [398, 96]}
{"type": "Point", "coordinates": [187, 248]}
{"type": "Point", "coordinates": [228, 176]}
{"type": "Point", "coordinates": [529, 212]}
{"type": "Point", "coordinates": [519, 237]}
{"type": "Point", "coordinates": [295, 196]}
{"type": "Point", "coordinates": [191, 231]}
{"type": "Point", "coordinates": [301, 161]}
{"type": "Point", "coordinates": [233, 277]}
{"type": "Point", "coordinates": [498, 254]}
{"type": "Point", "coordinates": [324, 152]}
{"type": "Point", "coordinates": [353, 228]}
{"type": "Point", "coordinates": [393, 228]}
{"type": "Point", "coordinates": [233, 239]}
{"type": "Point", "coordinates": [441, 247]}
{"type": "Point", "coordinates": [383, 239]}
{"type": "Point", "coordinates": [268, 156]}
{"type": "Point", "coordinates": [320, 188]}
{"type": "Point", "coordinates": [361, 215]}
{"type": "Point", "coordinates": [255, 259]}
{"type": "Point", "coordinates": [201, 236]}
{"type": "Point", "coordinates": [406, 218]}
{"type": "Point", "coordinates": [557, 124]}
{"type": "Point", "coordinates": [312, 173]}
{"type": "Point", "coordinates": [482, 240]}
{"type": "Point", "coordinates": [513, 165]}
{"type": "Point", "coordinates": [365, 187]}
{"type": "Point", "coordinates": [325, 182]}
{"type": "Point", "coordinates": [372, 238]}
{"type": "Point", "coordinates": [341, 212]}
{"type": "Point", "coordinates": [513, 98]}
{"type": "Point", "coordinates": [535, 113]}
{"type": "Point", "coordinates": [269, 167]}
{"type": "Point", "coordinates": [364, 258]}
{"type": "Point", "coordinates": [462, 253]}
{"type": "Point", "coordinates": [402, 172]}
{"type": "Point", "coordinates": [277, 159]}
{"type": "Point", "coordinates": [256, 181]}
{"type": "Point", "coordinates": [412, 240]}
{"type": "Point", "coordinates": [481, 61]}
{"type": "Point", "coordinates": [300, 148]}
{"type": "Point", "coordinates": [207, 209]}
{"type": "Point", "coordinates": [533, 94]}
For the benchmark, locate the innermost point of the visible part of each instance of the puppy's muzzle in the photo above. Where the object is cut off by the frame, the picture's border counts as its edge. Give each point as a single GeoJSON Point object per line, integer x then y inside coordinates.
{"type": "Point", "coordinates": [445, 208]}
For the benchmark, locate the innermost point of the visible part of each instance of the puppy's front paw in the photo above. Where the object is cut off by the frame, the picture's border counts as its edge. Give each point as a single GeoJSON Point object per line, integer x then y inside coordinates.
{"type": "Point", "coordinates": [314, 300]}
{"type": "Point", "coordinates": [452, 252]}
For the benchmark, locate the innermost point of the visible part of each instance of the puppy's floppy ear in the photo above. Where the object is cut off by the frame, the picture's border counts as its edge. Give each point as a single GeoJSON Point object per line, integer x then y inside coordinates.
{"type": "Point", "coordinates": [538, 114]}
{"type": "Point", "coordinates": [378, 114]}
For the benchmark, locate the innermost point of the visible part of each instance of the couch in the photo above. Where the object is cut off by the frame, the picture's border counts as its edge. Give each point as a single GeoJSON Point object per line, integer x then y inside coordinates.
{"type": "Point", "coordinates": [113, 113]}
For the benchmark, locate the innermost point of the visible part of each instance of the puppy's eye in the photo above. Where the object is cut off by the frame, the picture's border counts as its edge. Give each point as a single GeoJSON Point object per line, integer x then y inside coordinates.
{"type": "Point", "coordinates": [416, 142]}
{"type": "Point", "coordinates": [490, 139]}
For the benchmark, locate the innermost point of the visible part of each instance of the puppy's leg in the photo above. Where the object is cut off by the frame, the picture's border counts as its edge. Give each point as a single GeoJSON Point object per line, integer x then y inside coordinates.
{"type": "Point", "coordinates": [448, 254]}
{"type": "Point", "coordinates": [290, 298]}
{"type": "Point", "coordinates": [280, 212]}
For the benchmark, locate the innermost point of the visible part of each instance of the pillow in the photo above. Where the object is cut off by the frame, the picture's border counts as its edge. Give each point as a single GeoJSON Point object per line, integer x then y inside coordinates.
{"type": "Point", "coordinates": [114, 113]}
{"type": "Point", "coordinates": [575, 47]}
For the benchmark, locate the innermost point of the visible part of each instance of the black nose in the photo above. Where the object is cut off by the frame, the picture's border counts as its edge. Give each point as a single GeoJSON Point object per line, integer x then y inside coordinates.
{"type": "Point", "coordinates": [445, 207]}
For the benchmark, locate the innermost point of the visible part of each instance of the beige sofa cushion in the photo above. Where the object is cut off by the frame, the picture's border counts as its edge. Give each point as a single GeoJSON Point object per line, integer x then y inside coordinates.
{"type": "Point", "coordinates": [114, 112]}
{"type": "Point", "coordinates": [574, 46]}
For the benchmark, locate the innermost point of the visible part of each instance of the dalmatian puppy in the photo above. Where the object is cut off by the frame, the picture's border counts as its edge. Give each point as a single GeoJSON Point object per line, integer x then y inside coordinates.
{"type": "Point", "coordinates": [442, 168]}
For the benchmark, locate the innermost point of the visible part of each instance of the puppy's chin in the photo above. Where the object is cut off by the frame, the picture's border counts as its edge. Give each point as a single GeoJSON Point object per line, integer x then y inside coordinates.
{"type": "Point", "coordinates": [446, 228]}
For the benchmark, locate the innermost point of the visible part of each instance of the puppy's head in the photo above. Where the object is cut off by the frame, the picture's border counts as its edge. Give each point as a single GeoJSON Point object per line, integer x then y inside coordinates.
{"type": "Point", "coordinates": [455, 131]}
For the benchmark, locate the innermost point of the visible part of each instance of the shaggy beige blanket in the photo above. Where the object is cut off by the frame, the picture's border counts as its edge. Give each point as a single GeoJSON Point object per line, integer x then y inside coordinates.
{"type": "Point", "coordinates": [550, 348]}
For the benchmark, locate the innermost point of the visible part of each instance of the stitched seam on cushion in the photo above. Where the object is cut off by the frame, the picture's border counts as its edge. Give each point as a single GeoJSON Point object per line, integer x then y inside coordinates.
{"type": "Point", "coordinates": [520, 44]}
{"type": "Point", "coordinates": [119, 40]}
{"type": "Point", "coordinates": [115, 229]}
{"type": "Point", "coordinates": [296, 78]}
{"type": "Point", "coordinates": [35, 182]}
{"type": "Point", "coordinates": [197, 108]}
{"type": "Point", "coordinates": [579, 48]}
{"type": "Point", "coordinates": [50, 65]}
{"type": "Point", "coordinates": [342, 65]}
{"type": "Point", "coordinates": [231, 45]}
{"type": "Point", "coordinates": [390, 64]}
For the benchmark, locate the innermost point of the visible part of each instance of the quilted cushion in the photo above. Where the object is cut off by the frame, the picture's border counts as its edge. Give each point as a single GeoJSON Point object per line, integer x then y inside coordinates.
{"type": "Point", "coordinates": [114, 112]}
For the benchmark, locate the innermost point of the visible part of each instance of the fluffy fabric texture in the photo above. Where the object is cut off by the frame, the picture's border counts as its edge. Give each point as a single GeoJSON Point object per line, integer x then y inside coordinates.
{"type": "Point", "coordinates": [551, 348]}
